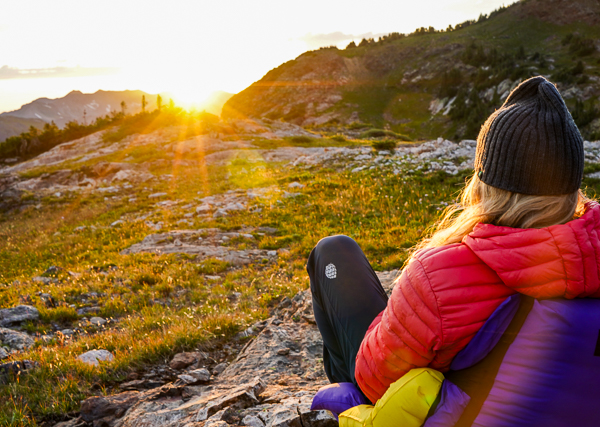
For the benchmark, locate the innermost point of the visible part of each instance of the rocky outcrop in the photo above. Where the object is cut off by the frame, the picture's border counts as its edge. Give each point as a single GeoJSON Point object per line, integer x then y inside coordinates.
{"type": "Point", "coordinates": [270, 383]}
{"type": "Point", "coordinates": [204, 243]}
{"type": "Point", "coordinates": [15, 340]}
{"type": "Point", "coordinates": [94, 357]}
{"type": "Point", "coordinates": [17, 315]}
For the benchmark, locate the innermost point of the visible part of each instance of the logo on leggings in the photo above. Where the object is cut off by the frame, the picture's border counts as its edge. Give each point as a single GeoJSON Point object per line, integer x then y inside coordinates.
{"type": "Point", "coordinates": [330, 271]}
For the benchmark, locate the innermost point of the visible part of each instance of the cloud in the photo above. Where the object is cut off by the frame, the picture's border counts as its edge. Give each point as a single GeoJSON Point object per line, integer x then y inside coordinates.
{"type": "Point", "coordinates": [336, 38]}
{"type": "Point", "coordinates": [7, 72]}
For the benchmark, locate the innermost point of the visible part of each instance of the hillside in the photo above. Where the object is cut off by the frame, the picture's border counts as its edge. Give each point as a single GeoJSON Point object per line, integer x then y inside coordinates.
{"type": "Point", "coordinates": [433, 83]}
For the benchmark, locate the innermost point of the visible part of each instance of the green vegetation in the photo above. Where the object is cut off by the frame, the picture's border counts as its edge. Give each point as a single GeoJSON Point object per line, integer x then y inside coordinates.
{"type": "Point", "coordinates": [381, 133]}
{"type": "Point", "coordinates": [386, 144]}
{"type": "Point", "coordinates": [35, 141]}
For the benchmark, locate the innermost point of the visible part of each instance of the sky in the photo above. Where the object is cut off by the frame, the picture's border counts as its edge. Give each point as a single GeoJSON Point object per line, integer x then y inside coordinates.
{"type": "Point", "coordinates": [189, 48]}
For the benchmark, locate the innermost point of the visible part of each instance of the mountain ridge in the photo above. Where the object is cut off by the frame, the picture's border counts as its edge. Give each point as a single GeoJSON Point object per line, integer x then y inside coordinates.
{"type": "Point", "coordinates": [71, 107]}
{"type": "Point", "coordinates": [438, 83]}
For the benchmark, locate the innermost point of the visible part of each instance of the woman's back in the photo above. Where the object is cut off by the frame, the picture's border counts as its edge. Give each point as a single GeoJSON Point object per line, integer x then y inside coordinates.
{"type": "Point", "coordinates": [446, 294]}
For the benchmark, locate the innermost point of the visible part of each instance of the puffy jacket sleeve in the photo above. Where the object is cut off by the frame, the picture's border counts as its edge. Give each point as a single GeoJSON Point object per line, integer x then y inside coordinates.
{"type": "Point", "coordinates": [406, 335]}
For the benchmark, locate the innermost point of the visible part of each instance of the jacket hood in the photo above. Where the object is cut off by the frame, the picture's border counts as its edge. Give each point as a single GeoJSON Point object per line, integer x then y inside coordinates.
{"type": "Point", "coordinates": [558, 261]}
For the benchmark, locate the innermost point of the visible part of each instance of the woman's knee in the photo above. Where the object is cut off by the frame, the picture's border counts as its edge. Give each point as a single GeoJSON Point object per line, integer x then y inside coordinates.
{"type": "Point", "coordinates": [335, 243]}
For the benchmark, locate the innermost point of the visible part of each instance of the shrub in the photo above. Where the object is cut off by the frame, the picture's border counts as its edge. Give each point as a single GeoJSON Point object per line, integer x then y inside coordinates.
{"type": "Point", "coordinates": [301, 139]}
{"type": "Point", "coordinates": [145, 279]}
{"type": "Point", "coordinates": [212, 266]}
{"type": "Point", "coordinates": [62, 314]}
{"type": "Point", "coordinates": [338, 138]}
{"type": "Point", "coordinates": [387, 144]}
{"type": "Point", "coordinates": [379, 133]}
{"type": "Point", "coordinates": [358, 125]}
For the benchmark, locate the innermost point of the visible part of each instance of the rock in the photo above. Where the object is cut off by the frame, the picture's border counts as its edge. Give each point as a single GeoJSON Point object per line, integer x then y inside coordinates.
{"type": "Point", "coordinates": [295, 185]}
{"type": "Point", "coordinates": [75, 422]}
{"type": "Point", "coordinates": [3, 354]}
{"type": "Point", "coordinates": [44, 280]}
{"type": "Point", "coordinates": [157, 195]}
{"type": "Point", "coordinates": [204, 244]}
{"type": "Point", "coordinates": [196, 376]}
{"type": "Point", "coordinates": [240, 398]}
{"type": "Point", "coordinates": [202, 209]}
{"type": "Point", "coordinates": [220, 368]}
{"type": "Point", "coordinates": [220, 213]}
{"type": "Point", "coordinates": [132, 176]}
{"type": "Point", "coordinates": [188, 379]}
{"type": "Point", "coordinates": [319, 418]}
{"type": "Point", "coordinates": [15, 340]}
{"type": "Point", "coordinates": [183, 360]}
{"type": "Point", "coordinates": [93, 357]}
{"type": "Point", "coordinates": [47, 299]}
{"type": "Point", "coordinates": [88, 310]}
{"type": "Point", "coordinates": [53, 270]}
{"type": "Point", "coordinates": [263, 387]}
{"type": "Point", "coordinates": [107, 408]}
{"type": "Point", "coordinates": [252, 421]}
{"type": "Point", "coordinates": [98, 321]}
{"type": "Point", "coordinates": [103, 169]}
{"type": "Point", "coordinates": [201, 375]}
{"type": "Point", "coordinates": [19, 314]}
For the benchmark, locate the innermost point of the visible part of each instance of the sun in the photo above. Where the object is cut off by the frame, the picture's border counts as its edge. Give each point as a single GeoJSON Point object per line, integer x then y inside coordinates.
{"type": "Point", "coordinates": [191, 94]}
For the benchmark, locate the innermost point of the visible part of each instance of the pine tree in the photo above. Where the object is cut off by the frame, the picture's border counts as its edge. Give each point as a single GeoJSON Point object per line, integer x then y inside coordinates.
{"type": "Point", "coordinates": [144, 103]}
{"type": "Point", "coordinates": [158, 102]}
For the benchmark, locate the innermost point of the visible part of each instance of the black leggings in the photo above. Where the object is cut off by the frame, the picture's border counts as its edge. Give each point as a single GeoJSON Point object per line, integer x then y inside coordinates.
{"type": "Point", "coordinates": [347, 296]}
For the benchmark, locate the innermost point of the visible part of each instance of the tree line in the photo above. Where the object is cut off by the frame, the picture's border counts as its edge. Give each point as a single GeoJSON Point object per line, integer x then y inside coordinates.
{"type": "Point", "coordinates": [36, 141]}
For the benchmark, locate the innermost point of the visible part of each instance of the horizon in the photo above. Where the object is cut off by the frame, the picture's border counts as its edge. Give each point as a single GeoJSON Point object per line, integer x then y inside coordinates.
{"type": "Point", "coordinates": [47, 62]}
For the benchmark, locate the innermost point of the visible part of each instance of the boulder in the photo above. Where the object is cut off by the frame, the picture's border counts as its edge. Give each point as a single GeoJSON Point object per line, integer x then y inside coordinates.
{"type": "Point", "coordinates": [319, 418]}
{"type": "Point", "coordinates": [132, 176]}
{"type": "Point", "coordinates": [75, 422]}
{"type": "Point", "coordinates": [107, 408]}
{"type": "Point", "coordinates": [252, 421]}
{"type": "Point", "coordinates": [183, 360]}
{"type": "Point", "coordinates": [94, 357]}
{"type": "Point", "coordinates": [196, 376]}
{"type": "Point", "coordinates": [16, 315]}
{"type": "Point", "coordinates": [15, 340]}
{"type": "Point", "coordinates": [102, 169]}
{"type": "Point", "coordinates": [98, 321]}
{"type": "Point", "coordinates": [220, 368]}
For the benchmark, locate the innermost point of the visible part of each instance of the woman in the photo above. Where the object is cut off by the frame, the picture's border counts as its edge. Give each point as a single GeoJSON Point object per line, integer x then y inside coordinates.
{"type": "Point", "coordinates": [523, 227]}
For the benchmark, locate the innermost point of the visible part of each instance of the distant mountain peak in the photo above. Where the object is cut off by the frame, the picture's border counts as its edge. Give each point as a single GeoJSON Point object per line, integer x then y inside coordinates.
{"type": "Point", "coordinates": [71, 107]}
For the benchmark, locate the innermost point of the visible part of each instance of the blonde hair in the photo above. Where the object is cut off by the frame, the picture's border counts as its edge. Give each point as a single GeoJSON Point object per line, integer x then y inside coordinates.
{"type": "Point", "coordinates": [482, 203]}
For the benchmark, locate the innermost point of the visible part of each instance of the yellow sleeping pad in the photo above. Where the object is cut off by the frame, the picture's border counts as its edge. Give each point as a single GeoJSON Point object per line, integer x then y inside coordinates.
{"type": "Point", "coordinates": [406, 403]}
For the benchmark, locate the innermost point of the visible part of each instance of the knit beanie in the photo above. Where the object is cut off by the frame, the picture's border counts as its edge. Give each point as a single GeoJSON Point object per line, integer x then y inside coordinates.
{"type": "Point", "coordinates": [531, 145]}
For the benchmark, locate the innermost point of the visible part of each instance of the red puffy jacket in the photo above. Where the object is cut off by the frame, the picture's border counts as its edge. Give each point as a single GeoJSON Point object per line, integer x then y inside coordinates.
{"type": "Point", "coordinates": [446, 294]}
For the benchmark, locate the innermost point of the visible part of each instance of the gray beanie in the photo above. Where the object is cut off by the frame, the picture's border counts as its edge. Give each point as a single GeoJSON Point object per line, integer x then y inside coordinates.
{"type": "Point", "coordinates": [531, 145]}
